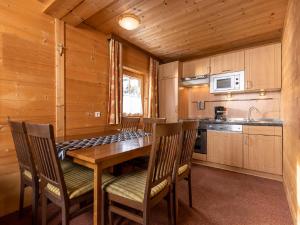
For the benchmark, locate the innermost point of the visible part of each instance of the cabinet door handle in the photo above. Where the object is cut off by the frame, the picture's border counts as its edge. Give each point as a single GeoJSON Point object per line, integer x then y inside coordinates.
{"type": "Point", "coordinates": [249, 84]}
{"type": "Point", "coordinates": [226, 71]}
{"type": "Point", "coordinates": [246, 140]}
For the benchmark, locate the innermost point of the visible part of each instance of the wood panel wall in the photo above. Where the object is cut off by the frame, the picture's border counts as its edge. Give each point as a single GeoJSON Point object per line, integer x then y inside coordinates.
{"type": "Point", "coordinates": [27, 83]}
{"type": "Point", "coordinates": [269, 105]}
{"type": "Point", "coordinates": [86, 80]}
{"type": "Point", "coordinates": [87, 60]}
{"type": "Point", "coordinates": [290, 107]}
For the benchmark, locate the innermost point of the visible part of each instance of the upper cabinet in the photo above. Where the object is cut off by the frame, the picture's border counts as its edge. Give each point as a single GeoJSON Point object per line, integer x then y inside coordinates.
{"type": "Point", "coordinates": [196, 67]}
{"type": "Point", "coordinates": [263, 67]}
{"type": "Point", "coordinates": [228, 62]}
{"type": "Point", "coordinates": [169, 70]}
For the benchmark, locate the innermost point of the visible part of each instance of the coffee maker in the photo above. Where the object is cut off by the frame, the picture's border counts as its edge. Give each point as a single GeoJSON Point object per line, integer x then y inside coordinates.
{"type": "Point", "coordinates": [220, 113]}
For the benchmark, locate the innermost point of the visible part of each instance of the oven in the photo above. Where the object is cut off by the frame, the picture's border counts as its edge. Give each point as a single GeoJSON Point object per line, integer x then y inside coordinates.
{"type": "Point", "coordinates": [227, 82]}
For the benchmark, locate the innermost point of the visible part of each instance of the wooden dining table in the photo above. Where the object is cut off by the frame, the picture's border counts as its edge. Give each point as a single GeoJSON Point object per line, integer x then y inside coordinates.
{"type": "Point", "coordinates": [104, 156]}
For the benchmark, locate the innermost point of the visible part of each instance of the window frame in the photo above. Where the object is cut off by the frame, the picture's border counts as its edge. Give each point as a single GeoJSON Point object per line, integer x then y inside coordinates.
{"type": "Point", "coordinates": [139, 76]}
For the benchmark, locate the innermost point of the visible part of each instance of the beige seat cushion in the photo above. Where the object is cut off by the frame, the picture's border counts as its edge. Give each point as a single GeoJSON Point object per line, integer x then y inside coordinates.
{"type": "Point", "coordinates": [182, 169]}
{"type": "Point", "coordinates": [27, 174]}
{"type": "Point", "coordinates": [66, 165]}
{"type": "Point", "coordinates": [79, 180]}
{"type": "Point", "coordinates": [132, 186]}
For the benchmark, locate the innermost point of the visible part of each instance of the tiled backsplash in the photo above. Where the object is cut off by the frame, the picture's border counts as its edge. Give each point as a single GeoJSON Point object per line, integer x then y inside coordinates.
{"type": "Point", "coordinates": [268, 105]}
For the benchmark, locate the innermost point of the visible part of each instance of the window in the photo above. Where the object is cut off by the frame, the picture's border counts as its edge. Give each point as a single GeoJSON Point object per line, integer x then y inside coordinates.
{"type": "Point", "coordinates": [132, 97]}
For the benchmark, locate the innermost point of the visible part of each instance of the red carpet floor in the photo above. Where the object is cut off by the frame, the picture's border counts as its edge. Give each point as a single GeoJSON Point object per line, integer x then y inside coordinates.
{"type": "Point", "coordinates": [219, 197]}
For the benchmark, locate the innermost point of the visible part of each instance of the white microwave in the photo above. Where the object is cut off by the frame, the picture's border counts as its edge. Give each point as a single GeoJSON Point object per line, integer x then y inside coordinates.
{"type": "Point", "coordinates": [227, 82]}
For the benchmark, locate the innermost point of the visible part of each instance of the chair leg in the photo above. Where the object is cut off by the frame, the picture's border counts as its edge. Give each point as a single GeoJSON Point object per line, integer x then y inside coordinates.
{"type": "Point", "coordinates": [109, 214]}
{"type": "Point", "coordinates": [44, 209]}
{"type": "Point", "coordinates": [171, 208]}
{"type": "Point", "coordinates": [35, 204]}
{"type": "Point", "coordinates": [146, 216]}
{"type": "Point", "coordinates": [190, 190]}
{"type": "Point", "coordinates": [65, 215]}
{"type": "Point", "coordinates": [21, 200]}
{"type": "Point", "coordinates": [175, 203]}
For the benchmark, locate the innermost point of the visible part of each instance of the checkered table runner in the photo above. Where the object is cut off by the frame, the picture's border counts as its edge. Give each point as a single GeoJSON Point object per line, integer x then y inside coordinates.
{"type": "Point", "coordinates": [63, 147]}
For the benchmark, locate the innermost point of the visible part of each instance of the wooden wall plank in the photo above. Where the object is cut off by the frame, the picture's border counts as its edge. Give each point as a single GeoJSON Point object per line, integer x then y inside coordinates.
{"type": "Point", "coordinates": [290, 107]}
{"type": "Point", "coordinates": [60, 77]}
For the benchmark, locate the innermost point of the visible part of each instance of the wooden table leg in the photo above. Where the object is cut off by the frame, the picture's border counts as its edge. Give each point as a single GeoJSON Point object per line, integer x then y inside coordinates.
{"type": "Point", "coordinates": [97, 194]}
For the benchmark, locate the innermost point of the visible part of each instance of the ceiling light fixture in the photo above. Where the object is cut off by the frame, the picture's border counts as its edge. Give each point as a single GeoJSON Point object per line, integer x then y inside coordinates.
{"type": "Point", "coordinates": [129, 21]}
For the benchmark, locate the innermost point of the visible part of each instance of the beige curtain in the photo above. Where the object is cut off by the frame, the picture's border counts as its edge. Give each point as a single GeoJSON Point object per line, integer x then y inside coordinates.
{"type": "Point", "coordinates": [153, 88]}
{"type": "Point", "coordinates": [115, 103]}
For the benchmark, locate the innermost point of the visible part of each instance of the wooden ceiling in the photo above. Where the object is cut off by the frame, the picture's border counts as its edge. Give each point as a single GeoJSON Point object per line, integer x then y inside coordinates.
{"type": "Point", "coordinates": [180, 29]}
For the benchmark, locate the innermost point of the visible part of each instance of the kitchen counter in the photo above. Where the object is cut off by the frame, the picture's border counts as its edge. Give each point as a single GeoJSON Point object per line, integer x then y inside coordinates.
{"type": "Point", "coordinates": [241, 121]}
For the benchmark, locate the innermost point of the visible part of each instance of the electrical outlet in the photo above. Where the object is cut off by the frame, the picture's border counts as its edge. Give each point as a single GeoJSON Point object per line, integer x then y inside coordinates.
{"type": "Point", "coordinates": [97, 114]}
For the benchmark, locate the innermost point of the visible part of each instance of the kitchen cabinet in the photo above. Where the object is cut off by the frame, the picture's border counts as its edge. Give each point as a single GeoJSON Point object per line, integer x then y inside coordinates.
{"type": "Point", "coordinates": [168, 90]}
{"type": "Point", "coordinates": [263, 149]}
{"type": "Point", "coordinates": [225, 148]}
{"type": "Point", "coordinates": [228, 62]}
{"type": "Point", "coordinates": [170, 70]}
{"type": "Point", "coordinates": [168, 99]}
{"type": "Point", "coordinates": [263, 67]}
{"type": "Point", "coordinates": [196, 67]}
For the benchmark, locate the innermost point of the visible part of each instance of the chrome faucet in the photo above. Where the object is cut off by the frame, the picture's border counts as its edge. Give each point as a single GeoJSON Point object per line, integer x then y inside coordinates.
{"type": "Point", "coordinates": [252, 108]}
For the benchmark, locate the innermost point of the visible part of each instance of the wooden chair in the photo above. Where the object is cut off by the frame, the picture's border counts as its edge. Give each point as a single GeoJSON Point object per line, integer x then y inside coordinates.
{"type": "Point", "coordinates": [143, 189]}
{"type": "Point", "coordinates": [28, 172]}
{"type": "Point", "coordinates": [130, 123]}
{"type": "Point", "coordinates": [189, 133]}
{"type": "Point", "coordinates": [63, 189]}
{"type": "Point", "coordinates": [142, 162]}
{"type": "Point", "coordinates": [148, 123]}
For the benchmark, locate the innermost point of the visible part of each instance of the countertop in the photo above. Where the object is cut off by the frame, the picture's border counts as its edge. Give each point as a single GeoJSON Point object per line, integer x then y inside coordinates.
{"type": "Point", "coordinates": [241, 121]}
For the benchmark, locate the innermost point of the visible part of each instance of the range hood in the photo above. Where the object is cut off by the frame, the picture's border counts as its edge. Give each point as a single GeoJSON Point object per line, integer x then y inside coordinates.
{"type": "Point", "coordinates": [195, 81]}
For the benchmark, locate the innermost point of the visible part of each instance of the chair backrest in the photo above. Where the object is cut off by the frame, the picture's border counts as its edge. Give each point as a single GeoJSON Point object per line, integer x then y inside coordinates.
{"type": "Point", "coordinates": [22, 146]}
{"type": "Point", "coordinates": [130, 123]}
{"type": "Point", "coordinates": [189, 133]}
{"type": "Point", "coordinates": [43, 146]}
{"type": "Point", "coordinates": [148, 123]}
{"type": "Point", "coordinates": [167, 139]}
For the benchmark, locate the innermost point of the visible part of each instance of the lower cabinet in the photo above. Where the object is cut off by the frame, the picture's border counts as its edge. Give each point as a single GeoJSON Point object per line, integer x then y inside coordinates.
{"type": "Point", "coordinates": [258, 148]}
{"type": "Point", "coordinates": [263, 153]}
{"type": "Point", "coordinates": [225, 148]}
